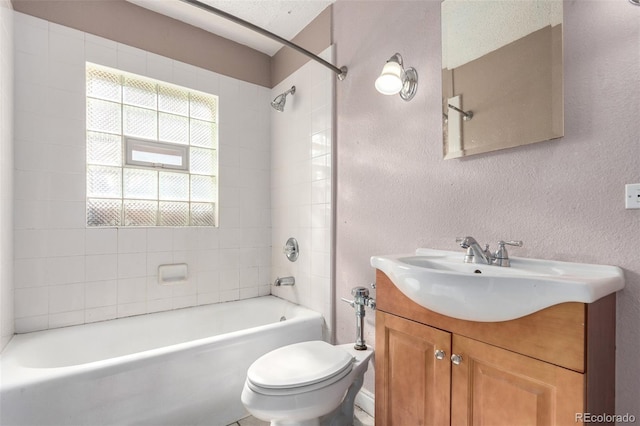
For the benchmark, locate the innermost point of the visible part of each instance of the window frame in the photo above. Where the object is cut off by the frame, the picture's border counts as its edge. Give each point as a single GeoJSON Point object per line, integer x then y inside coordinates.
{"type": "Point", "coordinates": [155, 147]}
{"type": "Point", "coordinates": [107, 210]}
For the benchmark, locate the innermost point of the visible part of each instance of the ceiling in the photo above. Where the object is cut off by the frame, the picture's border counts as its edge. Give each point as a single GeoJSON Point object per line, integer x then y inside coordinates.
{"type": "Point", "coordinates": [285, 18]}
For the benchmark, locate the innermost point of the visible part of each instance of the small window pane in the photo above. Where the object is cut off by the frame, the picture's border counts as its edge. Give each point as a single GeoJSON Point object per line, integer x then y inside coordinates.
{"type": "Point", "coordinates": [104, 182]}
{"type": "Point", "coordinates": [173, 100]}
{"type": "Point", "coordinates": [140, 122]}
{"type": "Point", "coordinates": [104, 212]}
{"type": "Point", "coordinates": [103, 116]}
{"type": "Point", "coordinates": [174, 186]}
{"type": "Point", "coordinates": [103, 84]}
{"type": "Point", "coordinates": [104, 149]}
{"type": "Point", "coordinates": [202, 214]}
{"type": "Point", "coordinates": [173, 214]}
{"type": "Point", "coordinates": [202, 161]}
{"type": "Point", "coordinates": [203, 134]}
{"type": "Point", "coordinates": [139, 92]}
{"type": "Point", "coordinates": [156, 158]}
{"type": "Point", "coordinates": [156, 154]}
{"type": "Point", "coordinates": [142, 184]}
{"type": "Point", "coordinates": [202, 188]}
{"type": "Point", "coordinates": [174, 128]}
{"type": "Point", "coordinates": [140, 213]}
{"type": "Point", "coordinates": [204, 107]}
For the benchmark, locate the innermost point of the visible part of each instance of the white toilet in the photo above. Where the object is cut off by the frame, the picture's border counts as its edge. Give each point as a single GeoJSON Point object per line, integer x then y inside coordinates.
{"type": "Point", "coordinates": [304, 384]}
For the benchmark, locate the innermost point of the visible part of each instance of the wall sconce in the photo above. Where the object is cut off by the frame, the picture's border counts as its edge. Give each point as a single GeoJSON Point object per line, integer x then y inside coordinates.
{"type": "Point", "coordinates": [395, 79]}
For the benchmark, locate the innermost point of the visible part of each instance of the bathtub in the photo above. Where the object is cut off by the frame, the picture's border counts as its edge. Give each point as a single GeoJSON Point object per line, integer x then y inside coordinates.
{"type": "Point", "coordinates": [183, 367]}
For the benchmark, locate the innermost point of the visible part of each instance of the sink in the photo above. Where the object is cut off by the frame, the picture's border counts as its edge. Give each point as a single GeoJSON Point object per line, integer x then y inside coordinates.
{"type": "Point", "coordinates": [440, 281]}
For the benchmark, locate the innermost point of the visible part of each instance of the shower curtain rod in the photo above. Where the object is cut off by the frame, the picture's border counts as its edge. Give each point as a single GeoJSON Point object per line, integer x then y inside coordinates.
{"type": "Point", "coordinates": [342, 72]}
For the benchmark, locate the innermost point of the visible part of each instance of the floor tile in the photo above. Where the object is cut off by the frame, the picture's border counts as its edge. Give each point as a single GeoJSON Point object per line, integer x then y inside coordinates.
{"type": "Point", "coordinates": [361, 418]}
{"type": "Point", "coordinates": [252, 421]}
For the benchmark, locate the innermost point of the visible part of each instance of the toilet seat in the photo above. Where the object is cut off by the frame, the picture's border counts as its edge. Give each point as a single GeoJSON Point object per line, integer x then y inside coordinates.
{"type": "Point", "coordinates": [300, 367]}
{"type": "Point", "coordinates": [327, 401]}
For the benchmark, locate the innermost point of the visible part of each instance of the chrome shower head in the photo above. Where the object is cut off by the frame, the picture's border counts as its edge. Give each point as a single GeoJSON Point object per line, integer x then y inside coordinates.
{"type": "Point", "coordinates": [278, 103]}
{"type": "Point", "coordinates": [280, 100]}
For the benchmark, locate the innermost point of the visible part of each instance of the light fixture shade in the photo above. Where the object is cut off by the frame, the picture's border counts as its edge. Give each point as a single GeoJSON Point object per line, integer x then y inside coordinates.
{"type": "Point", "coordinates": [391, 79]}
{"type": "Point", "coordinates": [395, 79]}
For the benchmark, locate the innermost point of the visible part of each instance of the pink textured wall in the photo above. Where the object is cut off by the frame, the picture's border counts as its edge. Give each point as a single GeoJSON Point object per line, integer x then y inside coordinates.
{"type": "Point", "coordinates": [564, 198]}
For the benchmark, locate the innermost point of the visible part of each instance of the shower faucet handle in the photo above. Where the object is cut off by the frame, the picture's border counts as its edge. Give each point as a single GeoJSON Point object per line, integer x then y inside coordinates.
{"type": "Point", "coordinates": [291, 249]}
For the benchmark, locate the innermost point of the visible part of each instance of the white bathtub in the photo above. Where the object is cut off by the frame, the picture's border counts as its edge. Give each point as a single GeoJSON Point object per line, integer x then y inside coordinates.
{"type": "Point", "coordinates": [184, 367]}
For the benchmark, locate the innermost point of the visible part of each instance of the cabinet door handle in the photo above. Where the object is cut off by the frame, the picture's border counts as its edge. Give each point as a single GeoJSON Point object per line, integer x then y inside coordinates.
{"type": "Point", "coordinates": [456, 359]}
{"type": "Point", "coordinates": [440, 354]}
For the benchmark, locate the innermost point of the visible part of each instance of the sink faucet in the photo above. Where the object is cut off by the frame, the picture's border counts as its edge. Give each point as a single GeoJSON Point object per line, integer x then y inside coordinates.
{"type": "Point", "coordinates": [475, 254]}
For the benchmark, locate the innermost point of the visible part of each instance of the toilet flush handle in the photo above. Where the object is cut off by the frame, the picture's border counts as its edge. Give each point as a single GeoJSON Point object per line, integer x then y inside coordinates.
{"type": "Point", "coordinates": [350, 302]}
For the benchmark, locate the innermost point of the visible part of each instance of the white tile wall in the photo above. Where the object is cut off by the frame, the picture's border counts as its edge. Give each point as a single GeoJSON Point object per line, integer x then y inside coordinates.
{"type": "Point", "coordinates": [301, 185]}
{"type": "Point", "coordinates": [67, 274]}
{"type": "Point", "coordinates": [6, 173]}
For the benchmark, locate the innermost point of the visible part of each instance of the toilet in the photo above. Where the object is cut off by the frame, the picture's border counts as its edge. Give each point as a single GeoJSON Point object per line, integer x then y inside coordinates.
{"type": "Point", "coordinates": [305, 384]}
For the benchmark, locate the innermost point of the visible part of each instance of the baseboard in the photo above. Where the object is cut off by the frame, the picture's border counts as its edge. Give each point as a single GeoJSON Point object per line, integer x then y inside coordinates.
{"type": "Point", "coordinates": [366, 401]}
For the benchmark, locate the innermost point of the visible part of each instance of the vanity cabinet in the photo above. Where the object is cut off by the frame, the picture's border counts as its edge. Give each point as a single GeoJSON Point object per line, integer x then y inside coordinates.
{"type": "Point", "coordinates": [541, 369]}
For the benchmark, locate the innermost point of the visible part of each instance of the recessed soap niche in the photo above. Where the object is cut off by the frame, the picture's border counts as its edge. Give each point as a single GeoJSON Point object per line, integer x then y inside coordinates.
{"type": "Point", "coordinates": [173, 274]}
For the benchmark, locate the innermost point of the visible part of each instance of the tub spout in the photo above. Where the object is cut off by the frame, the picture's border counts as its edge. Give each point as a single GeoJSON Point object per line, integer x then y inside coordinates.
{"type": "Point", "coordinates": [284, 281]}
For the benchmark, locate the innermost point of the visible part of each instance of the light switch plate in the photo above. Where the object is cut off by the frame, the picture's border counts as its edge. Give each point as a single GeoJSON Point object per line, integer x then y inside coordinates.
{"type": "Point", "coordinates": [632, 196]}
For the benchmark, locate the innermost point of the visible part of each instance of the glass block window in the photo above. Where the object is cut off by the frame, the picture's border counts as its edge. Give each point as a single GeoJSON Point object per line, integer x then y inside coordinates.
{"type": "Point", "coordinates": [152, 155]}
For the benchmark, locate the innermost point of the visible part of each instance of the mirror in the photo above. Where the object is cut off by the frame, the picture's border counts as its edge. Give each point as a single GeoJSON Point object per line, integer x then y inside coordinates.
{"type": "Point", "coordinates": [501, 74]}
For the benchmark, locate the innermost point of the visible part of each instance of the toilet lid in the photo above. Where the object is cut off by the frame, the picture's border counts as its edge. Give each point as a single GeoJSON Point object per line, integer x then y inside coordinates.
{"type": "Point", "coordinates": [300, 364]}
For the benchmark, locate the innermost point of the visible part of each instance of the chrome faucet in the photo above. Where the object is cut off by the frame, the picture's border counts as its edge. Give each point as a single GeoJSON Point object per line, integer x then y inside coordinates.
{"type": "Point", "coordinates": [476, 254]}
{"type": "Point", "coordinates": [284, 281]}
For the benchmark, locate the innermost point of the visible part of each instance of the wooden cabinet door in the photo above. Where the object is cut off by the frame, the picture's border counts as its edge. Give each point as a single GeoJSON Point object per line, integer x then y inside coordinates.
{"type": "Point", "coordinates": [493, 386]}
{"type": "Point", "coordinates": [412, 385]}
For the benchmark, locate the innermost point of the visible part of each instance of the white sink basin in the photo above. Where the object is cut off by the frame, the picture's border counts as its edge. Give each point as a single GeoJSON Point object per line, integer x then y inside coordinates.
{"type": "Point", "coordinates": [440, 281]}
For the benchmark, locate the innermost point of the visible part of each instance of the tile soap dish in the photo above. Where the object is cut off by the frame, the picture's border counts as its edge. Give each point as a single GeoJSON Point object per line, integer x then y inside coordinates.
{"type": "Point", "coordinates": [172, 274]}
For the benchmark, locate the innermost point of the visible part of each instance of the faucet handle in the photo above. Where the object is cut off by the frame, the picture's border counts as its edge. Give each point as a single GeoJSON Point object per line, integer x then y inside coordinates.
{"type": "Point", "coordinates": [510, 243]}
{"type": "Point", "coordinates": [501, 256]}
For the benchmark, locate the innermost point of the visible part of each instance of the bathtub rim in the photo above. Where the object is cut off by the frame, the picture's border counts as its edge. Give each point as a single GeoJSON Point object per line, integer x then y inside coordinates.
{"type": "Point", "coordinates": [16, 375]}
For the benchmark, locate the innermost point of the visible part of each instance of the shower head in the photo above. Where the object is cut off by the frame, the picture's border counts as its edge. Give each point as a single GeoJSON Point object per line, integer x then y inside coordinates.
{"type": "Point", "coordinates": [281, 99]}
